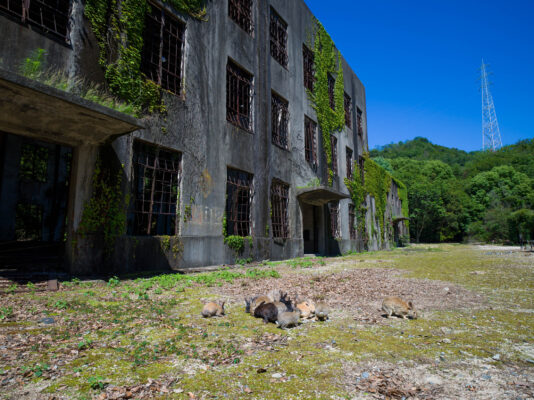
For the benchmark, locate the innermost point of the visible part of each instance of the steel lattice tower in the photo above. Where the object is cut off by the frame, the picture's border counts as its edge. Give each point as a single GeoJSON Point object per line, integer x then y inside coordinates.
{"type": "Point", "coordinates": [491, 135]}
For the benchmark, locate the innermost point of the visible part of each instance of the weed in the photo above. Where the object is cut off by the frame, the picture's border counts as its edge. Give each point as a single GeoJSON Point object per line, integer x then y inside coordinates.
{"type": "Point", "coordinates": [96, 382]}
{"type": "Point", "coordinates": [85, 344]}
{"type": "Point", "coordinates": [61, 304]}
{"type": "Point", "coordinates": [12, 288]}
{"type": "Point", "coordinates": [113, 281]}
{"type": "Point", "coordinates": [31, 287]}
{"type": "Point", "coordinates": [5, 312]}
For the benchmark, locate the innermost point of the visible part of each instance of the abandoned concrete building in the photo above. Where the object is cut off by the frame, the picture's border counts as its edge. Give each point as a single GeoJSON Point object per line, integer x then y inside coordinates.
{"type": "Point", "coordinates": [235, 166]}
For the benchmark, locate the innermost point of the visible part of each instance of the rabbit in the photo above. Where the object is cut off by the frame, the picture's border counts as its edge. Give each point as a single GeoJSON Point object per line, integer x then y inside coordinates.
{"type": "Point", "coordinates": [284, 304]}
{"type": "Point", "coordinates": [321, 312]}
{"type": "Point", "coordinates": [274, 295]}
{"type": "Point", "coordinates": [397, 306]}
{"type": "Point", "coordinates": [306, 307]}
{"type": "Point", "coordinates": [267, 311]}
{"type": "Point", "coordinates": [288, 319]}
{"type": "Point", "coordinates": [213, 309]}
{"type": "Point", "coordinates": [252, 302]}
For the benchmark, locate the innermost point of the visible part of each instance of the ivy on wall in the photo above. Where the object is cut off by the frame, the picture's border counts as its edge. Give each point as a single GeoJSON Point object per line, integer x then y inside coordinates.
{"type": "Point", "coordinates": [118, 27]}
{"type": "Point", "coordinates": [377, 184]}
{"type": "Point", "coordinates": [105, 212]}
{"type": "Point", "coordinates": [357, 194]}
{"type": "Point", "coordinates": [327, 60]}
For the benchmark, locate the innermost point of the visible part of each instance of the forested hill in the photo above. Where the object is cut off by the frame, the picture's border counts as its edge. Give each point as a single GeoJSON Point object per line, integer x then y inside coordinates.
{"type": "Point", "coordinates": [455, 195]}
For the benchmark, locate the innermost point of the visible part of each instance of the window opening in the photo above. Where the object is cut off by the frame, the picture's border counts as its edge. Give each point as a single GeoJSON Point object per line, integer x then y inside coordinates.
{"type": "Point", "coordinates": [361, 165]}
{"type": "Point", "coordinates": [334, 220]}
{"type": "Point", "coordinates": [279, 205]}
{"type": "Point", "coordinates": [310, 143]}
{"type": "Point", "coordinates": [238, 202]}
{"type": "Point", "coordinates": [349, 163]}
{"type": "Point", "coordinates": [279, 121]}
{"type": "Point", "coordinates": [163, 50]}
{"type": "Point", "coordinates": [33, 163]}
{"type": "Point", "coordinates": [28, 222]}
{"type": "Point", "coordinates": [352, 222]}
{"type": "Point", "coordinates": [309, 68]}
{"type": "Point", "coordinates": [331, 86]}
{"type": "Point", "coordinates": [359, 123]}
{"type": "Point", "coordinates": [238, 96]}
{"type": "Point", "coordinates": [348, 111]}
{"type": "Point", "coordinates": [333, 143]}
{"type": "Point", "coordinates": [157, 176]}
{"type": "Point", "coordinates": [278, 30]}
{"type": "Point", "coordinates": [241, 12]}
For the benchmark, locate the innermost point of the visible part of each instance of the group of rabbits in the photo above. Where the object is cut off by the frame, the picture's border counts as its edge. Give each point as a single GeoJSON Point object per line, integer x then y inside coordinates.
{"type": "Point", "coordinates": [277, 307]}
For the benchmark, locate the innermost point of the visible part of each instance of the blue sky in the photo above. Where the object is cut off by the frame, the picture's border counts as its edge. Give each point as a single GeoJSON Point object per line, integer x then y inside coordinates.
{"type": "Point", "coordinates": [420, 60]}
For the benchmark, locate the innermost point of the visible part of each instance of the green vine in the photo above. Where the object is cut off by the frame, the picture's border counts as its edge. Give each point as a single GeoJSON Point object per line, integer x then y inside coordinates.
{"type": "Point", "coordinates": [105, 212]}
{"type": "Point", "coordinates": [357, 194]}
{"type": "Point", "coordinates": [327, 62]}
{"type": "Point", "coordinates": [118, 28]}
{"type": "Point", "coordinates": [402, 192]}
{"type": "Point", "coordinates": [377, 184]}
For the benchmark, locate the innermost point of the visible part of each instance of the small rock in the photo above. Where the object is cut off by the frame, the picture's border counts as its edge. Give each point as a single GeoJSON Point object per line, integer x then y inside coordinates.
{"type": "Point", "coordinates": [276, 376]}
{"type": "Point", "coordinates": [365, 375]}
{"type": "Point", "coordinates": [486, 377]}
{"type": "Point", "coordinates": [47, 321]}
{"type": "Point", "coordinates": [433, 380]}
{"type": "Point", "coordinates": [447, 341]}
{"type": "Point", "coordinates": [261, 370]}
{"type": "Point", "coordinates": [496, 357]}
{"type": "Point", "coordinates": [530, 360]}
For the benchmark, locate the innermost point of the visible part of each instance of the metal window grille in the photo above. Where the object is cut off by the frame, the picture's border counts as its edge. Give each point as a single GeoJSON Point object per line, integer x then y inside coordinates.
{"type": "Point", "coordinates": [349, 163]}
{"type": "Point", "coordinates": [33, 163]}
{"type": "Point", "coordinates": [51, 16]}
{"type": "Point", "coordinates": [278, 30]}
{"type": "Point", "coordinates": [352, 222]}
{"type": "Point", "coordinates": [309, 68]}
{"type": "Point", "coordinates": [331, 86]}
{"type": "Point", "coordinates": [348, 110]}
{"type": "Point", "coordinates": [241, 12]}
{"type": "Point", "coordinates": [238, 202]}
{"type": "Point", "coordinates": [361, 166]}
{"type": "Point", "coordinates": [163, 50]}
{"type": "Point", "coordinates": [359, 122]}
{"type": "Point", "coordinates": [310, 143]}
{"type": "Point", "coordinates": [238, 96]}
{"type": "Point", "coordinates": [279, 212]}
{"type": "Point", "coordinates": [279, 121]}
{"type": "Point", "coordinates": [157, 176]}
{"type": "Point", "coordinates": [333, 144]}
{"type": "Point", "coordinates": [334, 220]}
{"type": "Point", "coordinates": [28, 221]}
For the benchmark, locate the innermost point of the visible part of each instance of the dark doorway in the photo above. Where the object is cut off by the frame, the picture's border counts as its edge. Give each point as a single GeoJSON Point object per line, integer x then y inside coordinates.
{"type": "Point", "coordinates": [34, 180]}
{"type": "Point", "coordinates": [310, 230]}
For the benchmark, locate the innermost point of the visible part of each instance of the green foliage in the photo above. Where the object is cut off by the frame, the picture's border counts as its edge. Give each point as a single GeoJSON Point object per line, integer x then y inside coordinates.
{"type": "Point", "coordinates": [5, 312]}
{"type": "Point", "coordinates": [105, 212]}
{"type": "Point", "coordinates": [113, 281]}
{"type": "Point", "coordinates": [237, 243]}
{"type": "Point", "coordinates": [96, 382]}
{"type": "Point", "coordinates": [327, 62]}
{"type": "Point", "coordinates": [521, 225]}
{"type": "Point", "coordinates": [377, 184]}
{"type": "Point", "coordinates": [357, 194]}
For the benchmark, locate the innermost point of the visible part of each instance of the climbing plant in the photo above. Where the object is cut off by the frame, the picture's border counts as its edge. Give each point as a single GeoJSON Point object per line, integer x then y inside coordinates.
{"type": "Point", "coordinates": [357, 194]}
{"type": "Point", "coordinates": [118, 27]}
{"type": "Point", "coordinates": [105, 212]}
{"type": "Point", "coordinates": [327, 61]}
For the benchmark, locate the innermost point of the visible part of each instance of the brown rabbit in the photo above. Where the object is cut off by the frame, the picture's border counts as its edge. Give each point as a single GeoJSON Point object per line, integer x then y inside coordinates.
{"type": "Point", "coordinates": [267, 312]}
{"type": "Point", "coordinates": [213, 309]}
{"type": "Point", "coordinates": [397, 306]}
{"type": "Point", "coordinates": [306, 307]}
{"type": "Point", "coordinates": [251, 303]}
{"type": "Point", "coordinates": [321, 311]}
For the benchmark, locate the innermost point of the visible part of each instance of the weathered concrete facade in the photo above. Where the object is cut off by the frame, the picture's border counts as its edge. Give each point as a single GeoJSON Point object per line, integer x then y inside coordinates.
{"type": "Point", "coordinates": [196, 126]}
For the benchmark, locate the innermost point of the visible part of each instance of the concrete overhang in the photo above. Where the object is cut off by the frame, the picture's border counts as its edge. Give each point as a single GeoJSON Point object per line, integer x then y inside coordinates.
{"type": "Point", "coordinates": [319, 195]}
{"type": "Point", "coordinates": [33, 109]}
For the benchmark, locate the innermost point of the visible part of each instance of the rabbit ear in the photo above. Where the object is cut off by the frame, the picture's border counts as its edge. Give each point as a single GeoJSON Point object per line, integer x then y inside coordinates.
{"type": "Point", "coordinates": [410, 305]}
{"type": "Point", "coordinates": [222, 303]}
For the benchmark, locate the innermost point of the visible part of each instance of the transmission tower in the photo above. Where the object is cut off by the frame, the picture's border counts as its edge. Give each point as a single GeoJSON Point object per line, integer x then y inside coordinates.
{"type": "Point", "coordinates": [491, 135]}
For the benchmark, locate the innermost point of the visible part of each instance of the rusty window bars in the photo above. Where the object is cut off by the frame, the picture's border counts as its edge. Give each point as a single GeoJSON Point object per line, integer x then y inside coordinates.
{"type": "Point", "coordinates": [238, 202]}
{"type": "Point", "coordinates": [348, 153]}
{"type": "Point", "coordinates": [310, 143]}
{"type": "Point", "coordinates": [348, 111]}
{"type": "Point", "coordinates": [359, 122]}
{"type": "Point", "coordinates": [163, 49]}
{"type": "Point", "coordinates": [241, 12]}
{"type": "Point", "coordinates": [50, 16]}
{"type": "Point", "coordinates": [309, 68]}
{"type": "Point", "coordinates": [352, 222]}
{"type": "Point", "coordinates": [33, 163]}
{"type": "Point", "coordinates": [280, 121]}
{"type": "Point", "coordinates": [238, 96]}
{"type": "Point", "coordinates": [334, 220]}
{"type": "Point", "coordinates": [361, 166]}
{"type": "Point", "coordinates": [333, 144]}
{"type": "Point", "coordinates": [279, 209]}
{"type": "Point", "coordinates": [278, 30]}
{"type": "Point", "coordinates": [157, 176]}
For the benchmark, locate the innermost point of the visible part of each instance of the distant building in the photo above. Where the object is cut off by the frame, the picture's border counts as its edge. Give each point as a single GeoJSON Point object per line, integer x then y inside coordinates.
{"type": "Point", "coordinates": [238, 153]}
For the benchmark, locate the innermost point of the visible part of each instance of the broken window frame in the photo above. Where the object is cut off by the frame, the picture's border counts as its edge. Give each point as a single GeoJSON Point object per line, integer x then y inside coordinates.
{"type": "Point", "coordinates": [279, 121]}
{"type": "Point", "coordinates": [164, 39]}
{"type": "Point", "coordinates": [33, 164]}
{"type": "Point", "coordinates": [278, 38]}
{"type": "Point", "coordinates": [333, 209]}
{"type": "Point", "coordinates": [239, 89]}
{"type": "Point", "coordinates": [359, 121]}
{"type": "Point", "coordinates": [352, 222]}
{"type": "Point", "coordinates": [310, 142]}
{"type": "Point", "coordinates": [308, 65]}
{"type": "Point", "coordinates": [279, 209]}
{"type": "Point", "coordinates": [333, 146]}
{"type": "Point", "coordinates": [239, 191]}
{"type": "Point", "coordinates": [51, 19]}
{"type": "Point", "coordinates": [157, 175]}
{"type": "Point", "coordinates": [331, 91]}
{"type": "Point", "coordinates": [240, 11]}
{"type": "Point", "coordinates": [348, 110]}
{"type": "Point", "coordinates": [361, 166]}
{"type": "Point", "coordinates": [348, 154]}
